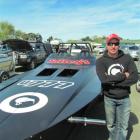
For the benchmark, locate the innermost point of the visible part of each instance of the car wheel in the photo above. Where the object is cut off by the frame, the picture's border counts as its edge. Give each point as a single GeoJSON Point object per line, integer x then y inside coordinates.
{"type": "Point", "coordinates": [4, 76]}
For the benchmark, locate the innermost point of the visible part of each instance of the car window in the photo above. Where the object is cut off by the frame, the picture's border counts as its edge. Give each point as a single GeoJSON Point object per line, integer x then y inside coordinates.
{"type": "Point", "coordinates": [124, 47]}
{"type": "Point", "coordinates": [4, 48]}
{"type": "Point", "coordinates": [42, 47]}
{"type": "Point", "coordinates": [37, 47]}
{"type": "Point", "coordinates": [134, 48]}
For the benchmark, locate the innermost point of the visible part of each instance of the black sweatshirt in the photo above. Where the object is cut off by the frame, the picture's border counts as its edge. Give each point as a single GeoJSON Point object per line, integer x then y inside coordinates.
{"type": "Point", "coordinates": [111, 73]}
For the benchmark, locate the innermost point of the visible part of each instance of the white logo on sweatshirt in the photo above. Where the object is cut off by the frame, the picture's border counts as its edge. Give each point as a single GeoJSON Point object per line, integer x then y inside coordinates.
{"type": "Point", "coordinates": [114, 69]}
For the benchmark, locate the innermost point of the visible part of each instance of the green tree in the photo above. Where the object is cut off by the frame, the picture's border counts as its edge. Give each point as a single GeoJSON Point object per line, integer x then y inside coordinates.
{"type": "Point", "coordinates": [87, 38]}
{"type": "Point", "coordinates": [25, 36]}
{"type": "Point", "coordinates": [7, 30]}
{"type": "Point", "coordinates": [39, 37]}
{"type": "Point", "coordinates": [50, 38]}
{"type": "Point", "coordinates": [18, 34]}
{"type": "Point", "coordinates": [31, 36]}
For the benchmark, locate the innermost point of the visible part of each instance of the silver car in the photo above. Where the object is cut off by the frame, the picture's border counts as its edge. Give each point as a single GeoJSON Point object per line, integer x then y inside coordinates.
{"type": "Point", "coordinates": [99, 49]}
{"type": "Point", "coordinates": [134, 51]}
{"type": "Point", "coordinates": [7, 64]}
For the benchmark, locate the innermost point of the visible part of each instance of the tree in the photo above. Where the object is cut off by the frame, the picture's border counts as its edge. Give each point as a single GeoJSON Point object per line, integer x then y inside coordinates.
{"type": "Point", "coordinates": [31, 36]}
{"type": "Point", "coordinates": [39, 37]}
{"type": "Point", "coordinates": [18, 34]}
{"type": "Point", "coordinates": [50, 39]}
{"type": "Point", "coordinates": [7, 30]}
{"type": "Point", "coordinates": [25, 36]}
{"type": "Point", "coordinates": [87, 38]}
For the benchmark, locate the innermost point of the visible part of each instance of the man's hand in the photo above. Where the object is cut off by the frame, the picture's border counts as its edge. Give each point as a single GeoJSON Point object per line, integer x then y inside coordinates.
{"type": "Point", "coordinates": [126, 74]}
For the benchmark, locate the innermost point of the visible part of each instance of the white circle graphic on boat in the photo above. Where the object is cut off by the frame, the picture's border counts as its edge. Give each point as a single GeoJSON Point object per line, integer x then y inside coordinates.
{"type": "Point", "coordinates": [24, 102]}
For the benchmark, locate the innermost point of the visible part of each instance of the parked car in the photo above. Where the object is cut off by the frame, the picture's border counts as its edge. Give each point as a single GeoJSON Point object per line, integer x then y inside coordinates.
{"type": "Point", "coordinates": [48, 48]}
{"type": "Point", "coordinates": [28, 54]}
{"type": "Point", "coordinates": [5, 49]}
{"type": "Point", "coordinates": [99, 49]}
{"type": "Point", "coordinates": [7, 64]}
{"type": "Point", "coordinates": [133, 50]}
{"type": "Point", "coordinates": [124, 48]}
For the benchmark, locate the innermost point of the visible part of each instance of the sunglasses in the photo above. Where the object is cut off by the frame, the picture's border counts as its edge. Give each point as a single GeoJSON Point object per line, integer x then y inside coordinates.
{"type": "Point", "coordinates": [115, 44]}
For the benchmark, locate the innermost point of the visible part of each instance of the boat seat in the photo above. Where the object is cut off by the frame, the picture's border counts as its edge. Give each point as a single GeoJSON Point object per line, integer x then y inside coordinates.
{"type": "Point", "coordinates": [63, 51]}
{"type": "Point", "coordinates": [85, 52]}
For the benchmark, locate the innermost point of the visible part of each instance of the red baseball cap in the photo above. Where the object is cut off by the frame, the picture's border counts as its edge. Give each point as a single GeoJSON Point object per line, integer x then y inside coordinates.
{"type": "Point", "coordinates": [113, 36]}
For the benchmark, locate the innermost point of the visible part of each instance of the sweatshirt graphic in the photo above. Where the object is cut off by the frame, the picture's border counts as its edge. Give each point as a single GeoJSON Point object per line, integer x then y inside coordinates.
{"type": "Point", "coordinates": [114, 69]}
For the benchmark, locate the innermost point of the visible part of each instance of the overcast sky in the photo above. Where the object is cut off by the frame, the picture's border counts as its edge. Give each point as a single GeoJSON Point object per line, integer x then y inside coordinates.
{"type": "Point", "coordinates": [73, 19]}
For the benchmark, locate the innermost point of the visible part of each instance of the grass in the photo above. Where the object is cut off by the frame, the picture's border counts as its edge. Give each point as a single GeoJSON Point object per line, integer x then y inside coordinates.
{"type": "Point", "coordinates": [134, 126]}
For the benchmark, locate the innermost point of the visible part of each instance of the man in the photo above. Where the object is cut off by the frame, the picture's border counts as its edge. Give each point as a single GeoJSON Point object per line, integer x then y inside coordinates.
{"type": "Point", "coordinates": [117, 72]}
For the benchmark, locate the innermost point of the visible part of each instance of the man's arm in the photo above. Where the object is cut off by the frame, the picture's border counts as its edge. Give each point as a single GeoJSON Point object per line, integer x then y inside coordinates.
{"type": "Point", "coordinates": [131, 75]}
{"type": "Point", "coordinates": [104, 77]}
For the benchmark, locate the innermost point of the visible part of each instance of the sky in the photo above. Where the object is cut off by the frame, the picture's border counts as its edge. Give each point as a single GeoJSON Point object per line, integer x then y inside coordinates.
{"type": "Point", "coordinates": [73, 19]}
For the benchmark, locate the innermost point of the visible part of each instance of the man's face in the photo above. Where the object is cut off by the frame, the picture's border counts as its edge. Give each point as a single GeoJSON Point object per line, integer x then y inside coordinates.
{"type": "Point", "coordinates": [113, 47]}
